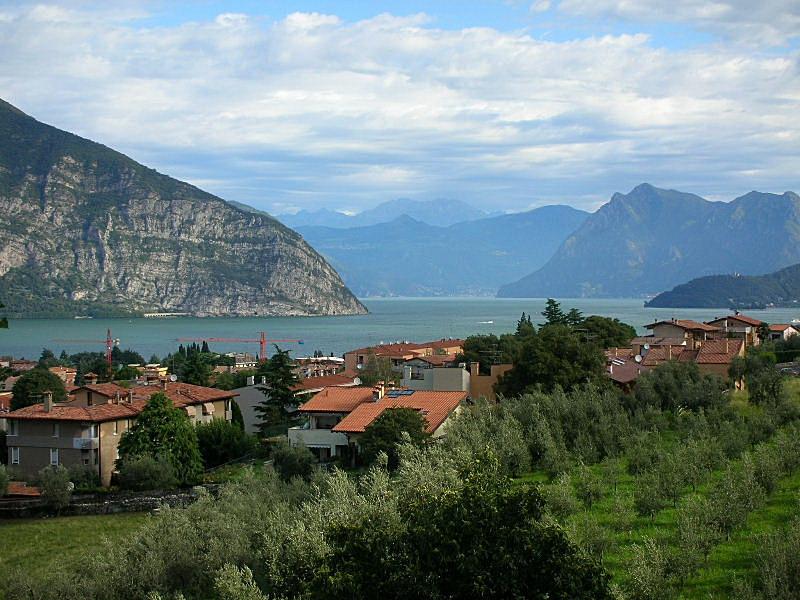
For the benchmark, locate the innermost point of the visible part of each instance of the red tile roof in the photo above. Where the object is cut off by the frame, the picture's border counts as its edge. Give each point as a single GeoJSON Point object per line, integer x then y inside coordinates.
{"type": "Point", "coordinates": [780, 327]}
{"type": "Point", "coordinates": [323, 381]}
{"type": "Point", "coordinates": [5, 401]}
{"type": "Point", "coordinates": [181, 394]}
{"type": "Point", "coordinates": [741, 318]}
{"type": "Point", "coordinates": [434, 406]}
{"type": "Point", "coordinates": [718, 352]}
{"type": "Point", "coordinates": [402, 349]}
{"type": "Point", "coordinates": [436, 360]}
{"type": "Point", "coordinates": [685, 324]}
{"type": "Point", "coordinates": [624, 371]}
{"type": "Point", "coordinates": [659, 354]}
{"type": "Point", "coordinates": [337, 400]}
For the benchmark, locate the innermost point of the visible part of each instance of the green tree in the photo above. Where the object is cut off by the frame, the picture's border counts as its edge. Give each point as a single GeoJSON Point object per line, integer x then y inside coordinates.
{"type": "Point", "coordinates": [164, 431]}
{"type": "Point", "coordinates": [394, 426]}
{"type": "Point", "coordinates": [47, 359]}
{"type": "Point", "coordinates": [377, 368]}
{"type": "Point", "coordinates": [674, 385]}
{"type": "Point", "coordinates": [196, 370]}
{"type": "Point", "coordinates": [488, 350]}
{"type": "Point", "coordinates": [553, 314]}
{"type": "Point", "coordinates": [145, 472]}
{"type": "Point", "coordinates": [573, 318]}
{"type": "Point", "coordinates": [554, 357]}
{"type": "Point", "coordinates": [278, 389]}
{"type": "Point", "coordinates": [525, 326]}
{"type": "Point", "coordinates": [293, 461]}
{"type": "Point", "coordinates": [4, 479]}
{"type": "Point", "coordinates": [31, 385]}
{"type": "Point", "coordinates": [3, 320]}
{"type": "Point", "coordinates": [221, 441]}
{"type": "Point", "coordinates": [55, 486]}
{"type": "Point", "coordinates": [607, 332]}
{"type": "Point", "coordinates": [126, 373]}
{"type": "Point", "coordinates": [588, 486]}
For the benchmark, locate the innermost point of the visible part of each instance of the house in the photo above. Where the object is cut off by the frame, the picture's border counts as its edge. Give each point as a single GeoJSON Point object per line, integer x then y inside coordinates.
{"type": "Point", "coordinates": [251, 395]}
{"type": "Point", "coordinates": [624, 371]}
{"type": "Point", "coordinates": [693, 333]}
{"type": "Point", "coordinates": [338, 416]}
{"type": "Point", "coordinates": [739, 326]}
{"type": "Point", "coordinates": [482, 386]}
{"type": "Point", "coordinates": [318, 366]}
{"type": "Point", "coordinates": [400, 352]}
{"type": "Point", "coordinates": [427, 374]}
{"type": "Point", "coordinates": [781, 332]}
{"type": "Point", "coordinates": [5, 408]}
{"type": "Point", "coordinates": [715, 356]}
{"type": "Point", "coordinates": [21, 365]}
{"type": "Point", "coordinates": [65, 374]}
{"type": "Point", "coordinates": [86, 429]}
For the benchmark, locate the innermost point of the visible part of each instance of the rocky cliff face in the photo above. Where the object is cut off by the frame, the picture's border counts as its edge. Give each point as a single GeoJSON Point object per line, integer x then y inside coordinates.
{"type": "Point", "coordinates": [86, 230]}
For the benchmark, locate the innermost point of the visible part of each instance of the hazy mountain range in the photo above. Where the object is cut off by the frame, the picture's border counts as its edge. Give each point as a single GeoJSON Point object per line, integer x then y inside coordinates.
{"type": "Point", "coordinates": [441, 213]}
{"type": "Point", "coordinates": [406, 257]}
{"type": "Point", "coordinates": [652, 239]}
{"type": "Point", "coordinates": [87, 230]}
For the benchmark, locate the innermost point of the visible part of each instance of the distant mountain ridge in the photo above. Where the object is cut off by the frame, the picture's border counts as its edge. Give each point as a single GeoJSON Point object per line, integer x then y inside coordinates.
{"type": "Point", "coordinates": [406, 257]}
{"type": "Point", "coordinates": [652, 239]}
{"type": "Point", "coordinates": [781, 288]}
{"type": "Point", "coordinates": [442, 212]}
{"type": "Point", "coordinates": [86, 230]}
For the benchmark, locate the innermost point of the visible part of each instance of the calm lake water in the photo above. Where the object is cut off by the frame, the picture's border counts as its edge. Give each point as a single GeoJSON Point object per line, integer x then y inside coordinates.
{"type": "Point", "coordinates": [416, 319]}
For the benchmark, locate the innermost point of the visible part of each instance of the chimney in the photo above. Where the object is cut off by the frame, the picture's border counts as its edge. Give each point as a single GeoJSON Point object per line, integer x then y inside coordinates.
{"type": "Point", "coordinates": [378, 391]}
{"type": "Point", "coordinates": [164, 384]}
{"type": "Point", "coordinates": [91, 378]}
{"type": "Point", "coordinates": [611, 368]}
{"type": "Point", "coordinates": [669, 352]}
{"type": "Point", "coordinates": [130, 396]}
{"type": "Point", "coordinates": [116, 398]}
{"type": "Point", "coordinates": [48, 401]}
{"type": "Point", "coordinates": [474, 368]}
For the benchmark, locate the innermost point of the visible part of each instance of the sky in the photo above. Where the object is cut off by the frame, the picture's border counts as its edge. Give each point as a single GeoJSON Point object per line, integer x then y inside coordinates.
{"type": "Point", "coordinates": [507, 105]}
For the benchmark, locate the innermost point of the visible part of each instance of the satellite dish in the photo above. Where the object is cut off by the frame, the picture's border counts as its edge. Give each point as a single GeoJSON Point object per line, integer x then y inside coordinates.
{"type": "Point", "coordinates": [173, 378]}
{"type": "Point", "coordinates": [638, 358]}
{"type": "Point", "coordinates": [646, 346]}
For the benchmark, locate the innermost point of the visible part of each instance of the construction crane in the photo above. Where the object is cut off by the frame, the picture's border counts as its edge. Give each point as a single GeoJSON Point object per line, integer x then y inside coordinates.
{"type": "Point", "coordinates": [109, 342]}
{"type": "Point", "coordinates": [262, 342]}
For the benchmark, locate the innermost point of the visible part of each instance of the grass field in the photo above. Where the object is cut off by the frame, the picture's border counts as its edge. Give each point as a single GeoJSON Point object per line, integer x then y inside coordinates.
{"type": "Point", "coordinates": [35, 545]}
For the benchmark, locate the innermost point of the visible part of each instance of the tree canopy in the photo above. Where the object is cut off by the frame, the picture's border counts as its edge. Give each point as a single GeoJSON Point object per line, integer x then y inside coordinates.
{"type": "Point", "coordinates": [278, 389]}
{"type": "Point", "coordinates": [31, 385]}
{"type": "Point", "coordinates": [390, 429]}
{"type": "Point", "coordinates": [163, 431]}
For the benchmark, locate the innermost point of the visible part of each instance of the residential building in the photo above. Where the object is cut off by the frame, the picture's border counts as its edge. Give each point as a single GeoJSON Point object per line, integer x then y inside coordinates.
{"type": "Point", "coordinates": [739, 326]}
{"type": "Point", "coordinates": [21, 365]}
{"type": "Point", "coordinates": [65, 374]}
{"type": "Point", "coordinates": [86, 430]}
{"type": "Point", "coordinates": [5, 408]}
{"type": "Point", "coordinates": [693, 333]}
{"type": "Point", "coordinates": [318, 366]}
{"type": "Point", "coordinates": [400, 352]}
{"type": "Point", "coordinates": [422, 375]}
{"type": "Point", "coordinates": [252, 395]}
{"type": "Point", "coordinates": [624, 371]}
{"type": "Point", "coordinates": [482, 386]}
{"type": "Point", "coordinates": [715, 356]}
{"type": "Point", "coordinates": [338, 416]}
{"type": "Point", "coordinates": [782, 331]}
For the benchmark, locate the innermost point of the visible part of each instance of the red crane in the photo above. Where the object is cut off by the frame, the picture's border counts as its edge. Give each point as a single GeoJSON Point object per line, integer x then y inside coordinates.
{"type": "Point", "coordinates": [109, 342]}
{"type": "Point", "coordinates": [262, 342]}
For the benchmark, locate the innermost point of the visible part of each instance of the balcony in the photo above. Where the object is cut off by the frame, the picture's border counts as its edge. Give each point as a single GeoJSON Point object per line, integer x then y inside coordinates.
{"type": "Point", "coordinates": [316, 438]}
{"type": "Point", "coordinates": [82, 443]}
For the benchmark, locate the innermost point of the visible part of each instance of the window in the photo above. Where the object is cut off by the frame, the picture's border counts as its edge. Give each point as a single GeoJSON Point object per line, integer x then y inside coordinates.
{"type": "Point", "coordinates": [13, 428]}
{"type": "Point", "coordinates": [116, 427]}
{"type": "Point", "coordinates": [89, 400]}
{"type": "Point", "coordinates": [93, 430]}
{"type": "Point", "coordinates": [56, 430]}
{"type": "Point", "coordinates": [54, 456]}
{"type": "Point", "coordinates": [14, 456]}
{"type": "Point", "coordinates": [95, 455]}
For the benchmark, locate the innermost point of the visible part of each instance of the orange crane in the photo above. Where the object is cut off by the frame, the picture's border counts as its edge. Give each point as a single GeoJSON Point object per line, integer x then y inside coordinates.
{"type": "Point", "coordinates": [109, 342]}
{"type": "Point", "coordinates": [262, 342]}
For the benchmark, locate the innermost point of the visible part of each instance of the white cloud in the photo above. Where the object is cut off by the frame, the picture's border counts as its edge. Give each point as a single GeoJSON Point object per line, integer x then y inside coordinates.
{"type": "Point", "coordinates": [763, 22]}
{"type": "Point", "coordinates": [310, 108]}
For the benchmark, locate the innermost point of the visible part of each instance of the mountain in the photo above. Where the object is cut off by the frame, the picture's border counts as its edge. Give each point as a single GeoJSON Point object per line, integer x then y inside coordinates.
{"type": "Point", "coordinates": [441, 213]}
{"type": "Point", "coordinates": [87, 230]}
{"type": "Point", "coordinates": [781, 288]}
{"type": "Point", "coordinates": [406, 257]}
{"type": "Point", "coordinates": [652, 239]}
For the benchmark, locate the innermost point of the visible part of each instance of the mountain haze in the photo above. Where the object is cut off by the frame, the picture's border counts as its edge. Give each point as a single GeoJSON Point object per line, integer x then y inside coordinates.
{"type": "Point", "coordinates": [652, 239]}
{"type": "Point", "coordinates": [441, 213]}
{"type": "Point", "coordinates": [87, 230]}
{"type": "Point", "coordinates": [406, 257]}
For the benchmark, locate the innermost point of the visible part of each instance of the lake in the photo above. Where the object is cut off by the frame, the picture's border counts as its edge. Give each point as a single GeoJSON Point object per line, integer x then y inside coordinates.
{"type": "Point", "coordinates": [390, 319]}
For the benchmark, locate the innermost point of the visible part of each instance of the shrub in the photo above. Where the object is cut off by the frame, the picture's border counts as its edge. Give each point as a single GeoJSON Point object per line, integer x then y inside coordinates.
{"type": "Point", "coordinates": [735, 495]}
{"type": "Point", "coordinates": [392, 427]}
{"type": "Point", "coordinates": [559, 497]}
{"type": "Point", "coordinates": [588, 486]}
{"type": "Point", "coordinates": [55, 486]}
{"type": "Point", "coordinates": [293, 461]}
{"type": "Point", "coordinates": [697, 531]}
{"type": "Point", "coordinates": [647, 495]}
{"type": "Point", "coordinates": [649, 572]}
{"type": "Point", "coordinates": [146, 472]}
{"type": "Point", "coordinates": [84, 477]}
{"type": "Point", "coordinates": [778, 563]}
{"type": "Point", "coordinates": [591, 536]}
{"type": "Point", "coordinates": [4, 479]}
{"type": "Point", "coordinates": [221, 441]}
